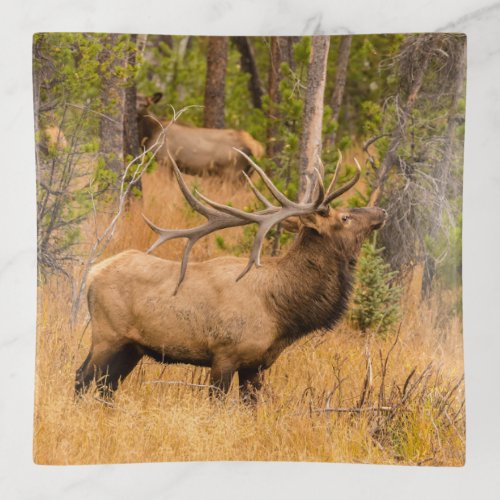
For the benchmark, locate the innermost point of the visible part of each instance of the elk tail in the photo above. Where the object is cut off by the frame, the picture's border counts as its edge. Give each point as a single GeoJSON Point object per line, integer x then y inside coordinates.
{"type": "Point", "coordinates": [255, 147]}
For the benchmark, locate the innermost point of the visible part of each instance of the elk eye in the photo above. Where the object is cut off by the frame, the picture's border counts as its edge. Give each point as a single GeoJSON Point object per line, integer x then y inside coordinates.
{"type": "Point", "coordinates": [346, 218]}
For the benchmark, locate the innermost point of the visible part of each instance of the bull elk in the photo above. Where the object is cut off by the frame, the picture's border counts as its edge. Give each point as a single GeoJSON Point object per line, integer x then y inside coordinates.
{"type": "Point", "coordinates": [216, 313]}
{"type": "Point", "coordinates": [197, 151]}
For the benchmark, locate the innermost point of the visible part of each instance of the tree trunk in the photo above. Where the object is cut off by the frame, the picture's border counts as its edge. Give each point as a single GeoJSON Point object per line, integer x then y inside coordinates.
{"type": "Point", "coordinates": [448, 160]}
{"type": "Point", "coordinates": [119, 135]}
{"type": "Point", "coordinates": [37, 44]}
{"type": "Point", "coordinates": [130, 124]}
{"type": "Point", "coordinates": [112, 100]}
{"type": "Point", "coordinates": [281, 52]}
{"type": "Point", "coordinates": [130, 128]}
{"type": "Point", "coordinates": [215, 81]}
{"type": "Point", "coordinates": [166, 39]}
{"type": "Point", "coordinates": [281, 48]}
{"type": "Point", "coordinates": [310, 140]}
{"type": "Point", "coordinates": [453, 118]}
{"type": "Point", "coordinates": [249, 65]}
{"type": "Point", "coordinates": [340, 81]}
{"type": "Point", "coordinates": [397, 135]}
{"type": "Point", "coordinates": [142, 42]}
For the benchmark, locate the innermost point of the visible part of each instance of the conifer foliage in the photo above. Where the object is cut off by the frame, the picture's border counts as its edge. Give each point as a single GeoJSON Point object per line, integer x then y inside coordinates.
{"type": "Point", "coordinates": [376, 297]}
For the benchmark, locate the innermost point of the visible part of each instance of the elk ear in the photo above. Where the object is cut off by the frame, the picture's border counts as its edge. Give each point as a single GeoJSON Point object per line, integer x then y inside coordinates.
{"type": "Point", "coordinates": [291, 225]}
{"type": "Point", "coordinates": [310, 221]}
{"type": "Point", "coordinates": [156, 96]}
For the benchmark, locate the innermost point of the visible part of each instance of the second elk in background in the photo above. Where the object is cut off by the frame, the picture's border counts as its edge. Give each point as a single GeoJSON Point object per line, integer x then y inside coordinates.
{"type": "Point", "coordinates": [196, 150]}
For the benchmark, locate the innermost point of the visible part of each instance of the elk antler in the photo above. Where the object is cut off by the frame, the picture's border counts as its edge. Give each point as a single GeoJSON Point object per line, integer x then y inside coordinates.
{"type": "Point", "coordinates": [222, 216]}
{"type": "Point", "coordinates": [215, 221]}
{"type": "Point", "coordinates": [330, 194]}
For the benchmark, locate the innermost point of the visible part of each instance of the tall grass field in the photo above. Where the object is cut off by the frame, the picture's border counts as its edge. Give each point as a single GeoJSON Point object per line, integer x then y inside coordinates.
{"type": "Point", "coordinates": [334, 396]}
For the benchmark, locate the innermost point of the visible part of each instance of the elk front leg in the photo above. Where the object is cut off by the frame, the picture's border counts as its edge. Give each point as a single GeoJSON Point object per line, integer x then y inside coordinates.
{"type": "Point", "coordinates": [220, 380]}
{"type": "Point", "coordinates": [250, 384]}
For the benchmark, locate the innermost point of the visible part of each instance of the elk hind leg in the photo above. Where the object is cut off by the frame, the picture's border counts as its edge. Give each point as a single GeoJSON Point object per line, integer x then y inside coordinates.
{"type": "Point", "coordinates": [220, 381]}
{"type": "Point", "coordinates": [250, 384]}
{"type": "Point", "coordinates": [107, 366]}
{"type": "Point", "coordinates": [84, 376]}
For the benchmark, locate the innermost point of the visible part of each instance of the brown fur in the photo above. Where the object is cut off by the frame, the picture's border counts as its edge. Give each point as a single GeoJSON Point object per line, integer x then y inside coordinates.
{"type": "Point", "coordinates": [215, 320]}
{"type": "Point", "coordinates": [197, 151]}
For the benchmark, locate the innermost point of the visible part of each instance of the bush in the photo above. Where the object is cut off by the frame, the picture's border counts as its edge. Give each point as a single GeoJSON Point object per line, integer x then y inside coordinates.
{"type": "Point", "coordinates": [376, 298]}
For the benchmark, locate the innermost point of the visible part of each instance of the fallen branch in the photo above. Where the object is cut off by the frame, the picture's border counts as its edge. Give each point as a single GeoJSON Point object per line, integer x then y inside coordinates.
{"type": "Point", "coordinates": [355, 409]}
{"type": "Point", "coordinates": [180, 382]}
{"type": "Point", "coordinates": [188, 384]}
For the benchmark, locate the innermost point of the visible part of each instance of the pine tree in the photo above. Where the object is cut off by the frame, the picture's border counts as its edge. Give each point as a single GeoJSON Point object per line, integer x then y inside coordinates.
{"type": "Point", "coordinates": [376, 298]}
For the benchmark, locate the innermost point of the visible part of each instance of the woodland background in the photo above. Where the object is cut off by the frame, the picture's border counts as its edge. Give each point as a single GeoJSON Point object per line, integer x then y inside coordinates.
{"type": "Point", "coordinates": [396, 101]}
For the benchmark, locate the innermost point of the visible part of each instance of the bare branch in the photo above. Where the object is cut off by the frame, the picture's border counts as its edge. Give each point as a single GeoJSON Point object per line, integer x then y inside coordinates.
{"type": "Point", "coordinates": [140, 164]}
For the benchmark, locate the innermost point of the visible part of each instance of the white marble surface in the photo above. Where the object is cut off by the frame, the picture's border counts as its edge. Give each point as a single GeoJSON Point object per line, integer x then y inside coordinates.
{"type": "Point", "coordinates": [480, 478]}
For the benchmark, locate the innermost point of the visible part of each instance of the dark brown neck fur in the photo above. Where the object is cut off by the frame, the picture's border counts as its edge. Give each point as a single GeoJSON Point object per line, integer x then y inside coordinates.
{"type": "Point", "coordinates": [312, 286]}
{"type": "Point", "coordinates": [148, 127]}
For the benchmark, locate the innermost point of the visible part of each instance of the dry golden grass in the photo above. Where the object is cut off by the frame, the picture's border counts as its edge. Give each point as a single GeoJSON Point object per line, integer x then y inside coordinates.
{"type": "Point", "coordinates": [161, 414]}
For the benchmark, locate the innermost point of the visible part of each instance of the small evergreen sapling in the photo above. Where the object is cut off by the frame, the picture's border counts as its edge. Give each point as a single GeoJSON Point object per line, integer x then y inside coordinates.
{"type": "Point", "coordinates": [376, 298]}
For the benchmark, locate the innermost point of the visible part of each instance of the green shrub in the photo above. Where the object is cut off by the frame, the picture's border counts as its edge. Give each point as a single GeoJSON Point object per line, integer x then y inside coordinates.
{"type": "Point", "coordinates": [376, 298]}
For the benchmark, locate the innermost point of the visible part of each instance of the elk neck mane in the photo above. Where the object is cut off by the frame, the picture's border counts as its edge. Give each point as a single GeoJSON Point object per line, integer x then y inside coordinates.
{"type": "Point", "coordinates": [148, 126]}
{"type": "Point", "coordinates": [311, 286]}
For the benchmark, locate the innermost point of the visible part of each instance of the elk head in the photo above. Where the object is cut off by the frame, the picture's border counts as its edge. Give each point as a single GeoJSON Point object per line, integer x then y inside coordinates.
{"type": "Point", "coordinates": [143, 102]}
